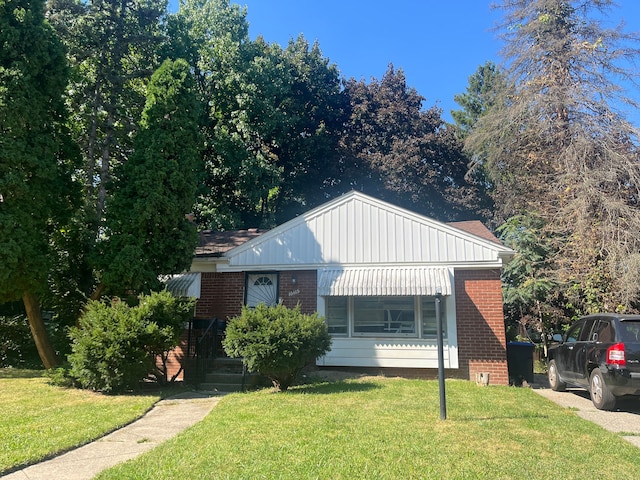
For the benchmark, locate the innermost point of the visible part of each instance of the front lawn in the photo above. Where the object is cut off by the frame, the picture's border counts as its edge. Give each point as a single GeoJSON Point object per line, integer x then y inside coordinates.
{"type": "Point", "coordinates": [376, 428]}
{"type": "Point", "coordinates": [38, 420]}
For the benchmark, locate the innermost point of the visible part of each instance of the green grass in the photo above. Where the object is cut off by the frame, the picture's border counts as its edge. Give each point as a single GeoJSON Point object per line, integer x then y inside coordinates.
{"type": "Point", "coordinates": [38, 420]}
{"type": "Point", "coordinates": [375, 428]}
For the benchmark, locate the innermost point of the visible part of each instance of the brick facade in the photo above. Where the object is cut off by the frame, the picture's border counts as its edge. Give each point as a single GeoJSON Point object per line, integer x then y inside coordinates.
{"type": "Point", "coordinates": [302, 292]}
{"type": "Point", "coordinates": [482, 344]}
{"type": "Point", "coordinates": [479, 316]}
{"type": "Point", "coordinates": [221, 295]}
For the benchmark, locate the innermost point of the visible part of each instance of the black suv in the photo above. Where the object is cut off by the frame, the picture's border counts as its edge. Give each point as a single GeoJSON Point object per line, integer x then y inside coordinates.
{"type": "Point", "coordinates": [600, 353]}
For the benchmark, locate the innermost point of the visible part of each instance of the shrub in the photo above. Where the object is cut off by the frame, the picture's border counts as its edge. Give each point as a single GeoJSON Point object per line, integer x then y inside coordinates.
{"type": "Point", "coordinates": [116, 346]}
{"type": "Point", "coordinates": [276, 342]}
{"type": "Point", "coordinates": [165, 317]}
{"type": "Point", "coordinates": [108, 351]}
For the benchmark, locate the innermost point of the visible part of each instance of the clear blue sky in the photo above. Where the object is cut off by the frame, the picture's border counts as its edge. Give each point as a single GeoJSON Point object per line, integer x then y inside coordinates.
{"type": "Point", "coordinates": [438, 44]}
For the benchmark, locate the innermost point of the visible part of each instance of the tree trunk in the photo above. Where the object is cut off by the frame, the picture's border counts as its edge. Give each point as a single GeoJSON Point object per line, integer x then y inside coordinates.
{"type": "Point", "coordinates": [98, 291]}
{"type": "Point", "coordinates": [39, 333]}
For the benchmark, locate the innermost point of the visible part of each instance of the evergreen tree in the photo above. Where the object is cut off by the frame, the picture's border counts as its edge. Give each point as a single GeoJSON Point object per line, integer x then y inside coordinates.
{"type": "Point", "coordinates": [148, 232]}
{"type": "Point", "coordinates": [559, 147]}
{"type": "Point", "coordinates": [37, 159]}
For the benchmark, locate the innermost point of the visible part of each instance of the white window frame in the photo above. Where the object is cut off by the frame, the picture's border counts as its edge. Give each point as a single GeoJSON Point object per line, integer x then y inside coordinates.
{"type": "Point", "coordinates": [418, 320]}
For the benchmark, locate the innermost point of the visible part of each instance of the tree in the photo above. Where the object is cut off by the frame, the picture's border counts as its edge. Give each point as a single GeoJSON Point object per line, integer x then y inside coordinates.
{"type": "Point", "coordinates": [396, 150]}
{"type": "Point", "coordinates": [113, 49]}
{"type": "Point", "coordinates": [528, 284]}
{"type": "Point", "coordinates": [558, 145]}
{"type": "Point", "coordinates": [37, 158]}
{"type": "Point", "coordinates": [307, 150]}
{"type": "Point", "coordinates": [147, 233]}
{"type": "Point", "coordinates": [480, 96]}
{"type": "Point", "coordinates": [212, 36]}
{"type": "Point", "coordinates": [273, 122]}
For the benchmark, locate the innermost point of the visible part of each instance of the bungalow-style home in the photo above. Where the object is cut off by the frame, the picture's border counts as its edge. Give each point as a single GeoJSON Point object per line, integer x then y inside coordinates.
{"type": "Point", "coordinates": [373, 270]}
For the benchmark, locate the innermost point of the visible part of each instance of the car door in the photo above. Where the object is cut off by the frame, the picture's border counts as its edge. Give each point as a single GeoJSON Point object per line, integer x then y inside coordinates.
{"type": "Point", "coordinates": [580, 353]}
{"type": "Point", "coordinates": [565, 356]}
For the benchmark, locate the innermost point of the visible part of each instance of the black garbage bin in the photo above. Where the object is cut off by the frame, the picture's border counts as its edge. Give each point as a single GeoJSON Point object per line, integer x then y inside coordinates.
{"type": "Point", "coordinates": [520, 362]}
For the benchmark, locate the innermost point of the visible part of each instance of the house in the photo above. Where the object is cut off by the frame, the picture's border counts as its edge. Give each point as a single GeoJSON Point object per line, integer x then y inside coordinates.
{"type": "Point", "coordinates": [373, 270]}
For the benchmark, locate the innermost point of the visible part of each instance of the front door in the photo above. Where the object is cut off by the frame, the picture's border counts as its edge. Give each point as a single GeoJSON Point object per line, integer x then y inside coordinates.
{"type": "Point", "coordinates": [262, 288]}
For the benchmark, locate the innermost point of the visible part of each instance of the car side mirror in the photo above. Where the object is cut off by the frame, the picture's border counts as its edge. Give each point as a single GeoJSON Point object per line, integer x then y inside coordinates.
{"type": "Point", "coordinates": [556, 337]}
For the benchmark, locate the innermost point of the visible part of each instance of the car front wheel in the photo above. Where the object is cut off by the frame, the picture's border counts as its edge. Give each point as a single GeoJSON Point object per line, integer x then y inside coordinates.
{"type": "Point", "coordinates": [555, 383]}
{"type": "Point", "coordinates": [601, 396]}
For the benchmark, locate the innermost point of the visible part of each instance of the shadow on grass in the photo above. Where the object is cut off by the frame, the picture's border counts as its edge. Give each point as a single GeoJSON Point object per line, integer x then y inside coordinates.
{"type": "Point", "coordinates": [467, 419]}
{"type": "Point", "coordinates": [331, 387]}
{"type": "Point", "coordinates": [20, 373]}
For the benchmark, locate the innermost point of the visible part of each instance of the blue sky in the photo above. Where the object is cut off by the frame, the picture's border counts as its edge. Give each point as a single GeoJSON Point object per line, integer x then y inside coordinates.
{"type": "Point", "coordinates": [438, 44]}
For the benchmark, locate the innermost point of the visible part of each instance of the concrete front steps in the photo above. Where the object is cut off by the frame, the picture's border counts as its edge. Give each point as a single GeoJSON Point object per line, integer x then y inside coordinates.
{"type": "Point", "coordinates": [226, 376]}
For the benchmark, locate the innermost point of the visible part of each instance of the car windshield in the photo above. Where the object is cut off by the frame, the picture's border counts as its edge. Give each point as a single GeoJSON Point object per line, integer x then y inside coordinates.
{"type": "Point", "coordinates": [630, 331]}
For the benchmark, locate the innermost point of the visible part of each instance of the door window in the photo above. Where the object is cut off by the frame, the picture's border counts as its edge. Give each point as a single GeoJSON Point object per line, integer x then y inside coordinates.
{"type": "Point", "coordinates": [262, 288]}
{"type": "Point", "coordinates": [573, 335]}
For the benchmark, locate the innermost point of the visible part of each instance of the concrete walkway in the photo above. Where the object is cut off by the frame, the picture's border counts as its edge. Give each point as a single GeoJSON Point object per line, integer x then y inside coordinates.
{"type": "Point", "coordinates": [625, 419]}
{"type": "Point", "coordinates": [165, 420]}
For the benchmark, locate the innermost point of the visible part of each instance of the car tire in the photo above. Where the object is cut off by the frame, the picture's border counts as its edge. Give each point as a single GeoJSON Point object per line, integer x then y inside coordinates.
{"type": "Point", "coordinates": [556, 384]}
{"type": "Point", "coordinates": [601, 396]}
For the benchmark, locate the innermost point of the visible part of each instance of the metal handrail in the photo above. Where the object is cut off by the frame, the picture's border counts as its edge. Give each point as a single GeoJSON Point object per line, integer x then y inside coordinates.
{"type": "Point", "coordinates": [201, 350]}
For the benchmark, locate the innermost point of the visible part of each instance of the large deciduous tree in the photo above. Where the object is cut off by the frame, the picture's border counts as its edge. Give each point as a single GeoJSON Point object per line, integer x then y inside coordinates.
{"type": "Point", "coordinates": [273, 120]}
{"type": "Point", "coordinates": [395, 149]}
{"type": "Point", "coordinates": [559, 146]}
{"type": "Point", "coordinates": [36, 158]}
{"type": "Point", "coordinates": [113, 49]}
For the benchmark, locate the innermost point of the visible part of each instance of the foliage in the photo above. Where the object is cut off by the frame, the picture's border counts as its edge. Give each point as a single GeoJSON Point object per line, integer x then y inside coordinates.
{"type": "Point", "coordinates": [397, 151]}
{"type": "Point", "coordinates": [113, 50]}
{"type": "Point", "coordinates": [39, 420]}
{"type": "Point", "coordinates": [37, 159]}
{"type": "Point", "coordinates": [478, 99]}
{"type": "Point", "coordinates": [116, 346]}
{"type": "Point", "coordinates": [557, 144]}
{"type": "Point", "coordinates": [165, 317]}
{"type": "Point", "coordinates": [16, 343]}
{"type": "Point", "coordinates": [387, 428]}
{"type": "Point", "coordinates": [528, 286]}
{"type": "Point", "coordinates": [274, 118]}
{"type": "Point", "coordinates": [276, 342]}
{"type": "Point", "coordinates": [147, 232]}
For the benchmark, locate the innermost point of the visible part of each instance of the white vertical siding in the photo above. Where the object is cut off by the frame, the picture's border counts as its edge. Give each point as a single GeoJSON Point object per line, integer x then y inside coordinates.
{"type": "Point", "coordinates": [360, 230]}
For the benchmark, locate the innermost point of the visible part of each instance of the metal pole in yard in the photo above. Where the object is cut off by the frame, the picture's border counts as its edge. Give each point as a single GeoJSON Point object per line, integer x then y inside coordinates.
{"type": "Point", "coordinates": [443, 401]}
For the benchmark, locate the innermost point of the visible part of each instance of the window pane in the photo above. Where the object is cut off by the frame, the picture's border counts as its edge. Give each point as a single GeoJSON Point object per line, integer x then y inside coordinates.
{"type": "Point", "coordinates": [384, 315]}
{"type": "Point", "coordinates": [337, 315]}
{"type": "Point", "coordinates": [429, 322]}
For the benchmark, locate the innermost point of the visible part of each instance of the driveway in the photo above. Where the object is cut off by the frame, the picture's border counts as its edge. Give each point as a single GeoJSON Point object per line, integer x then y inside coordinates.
{"type": "Point", "coordinates": [625, 419]}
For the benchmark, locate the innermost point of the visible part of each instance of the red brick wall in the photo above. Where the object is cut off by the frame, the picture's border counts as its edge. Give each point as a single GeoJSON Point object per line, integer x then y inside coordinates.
{"type": "Point", "coordinates": [175, 359]}
{"type": "Point", "coordinates": [482, 344]}
{"type": "Point", "coordinates": [303, 291]}
{"type": "Point", "coordinates": [221, 295]}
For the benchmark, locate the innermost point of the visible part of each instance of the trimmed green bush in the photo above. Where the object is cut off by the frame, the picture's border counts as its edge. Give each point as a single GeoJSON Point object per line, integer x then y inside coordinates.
{"type": "Point", "coordinates": [277, 342]}
{"type": "Point", "coordinates": [116, 346]}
